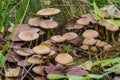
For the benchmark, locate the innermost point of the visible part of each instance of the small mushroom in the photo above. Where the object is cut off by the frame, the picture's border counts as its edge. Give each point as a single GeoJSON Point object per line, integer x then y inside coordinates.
{"type": "Point", "coordinates": [64, 58]}
{"type": "Point", "coordinates": [38, 70]}
{"type": "Point", "coordinates": [70, 36]}
{"type": "Point", "coordinates": [49, 25]}
{"type": "Point", "coordinates": [58, 39]}
{"type": "Point", "coordinates": [107, 48]}
{"type": "Point", "coordinates": [35, 59]}
{"type": "Point", "coordinates": [84, 47]}
{"type": "Point", "coordinates": [24, 52]}
{"type": "Point", "coordinates": [28, 35]}
{"type": "Point", "coordinates": [90, 34]}
{"type": "Point", "coordinates": [23, 63]}
{"type": "Point", "coordinates": [35, 21]}
{"type": "Point", "coordinates": [89, 42]}
{"type": "Point", "coordinates": [94, 49]}
{"type": "Point", "coordinates": [42, 50]}
{"type": "Point", "coordinates": [112, 28]}
{"type": "Point", "coordinates": [48, 12]}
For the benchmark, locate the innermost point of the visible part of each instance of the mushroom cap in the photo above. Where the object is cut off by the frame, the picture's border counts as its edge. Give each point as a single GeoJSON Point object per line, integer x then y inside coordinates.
{"type": "Point", "coordinates": [58, 38]}
{"type": "Point", "coordinates": [107, 7]}
{"type": "Point", "coordinates": [70, 35]}
{"type": "Point", "coordinates": [89, 41]}
{"type": "Point", "coordinates": [94, 49]}
{"type": "Point", "coordinates": [84, 47]}
{"type": "Point", "coordinates": [64, 58]}
{"type": "Point", "coordinates": [52, 53]}
{"type": "Point", "coordinates": [48, 24]}
{"type": "Point", "coordinates": [35, 59]}
{"type": "Point", "coordinates": [83, 21]}
{"type": "Point", "coordinates": [12, 72]}
{"type": "Point", "coordinates": [48, 11]}
{"type": "Point", "coordinates": [116, 78]}
{"type": "Point", "coordinates": [112, 27]}
{"type": "Point", "coordinates": [100, 43]}
{"type": "Point", "coordinates": [34, 30]}
{"type": "Point", "coordinates": [73, 25]}
{"type": "Point", "coordinates": [28, 35]}
{"type": "Point", "coordinates": [38, 70]}
{"type": "Point", "coordinates": [24, 52]}
{"type": "Point", "coordinates": [35, 21]}
{"type": "Point", "coordinates": [103, 23]}
{"type": "Point", "coordinates": [41, 49]}
{"type": "Point", "coordinates": [23, 63]}
{"type": "Point", "coordinates": [105, 14]}
{"type": "Point", "coordinates": [90, 34]}
{"type": "Point", "coordinates": [107, 47]}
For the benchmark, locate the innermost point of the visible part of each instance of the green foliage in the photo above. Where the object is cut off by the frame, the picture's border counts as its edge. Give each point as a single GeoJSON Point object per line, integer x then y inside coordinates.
{"type": "Point", "coordinates": [2, 60]}
{"type": "Point", "coordinates": [97, 10]}
{"type": "Point", "coordinates": [56, 76]}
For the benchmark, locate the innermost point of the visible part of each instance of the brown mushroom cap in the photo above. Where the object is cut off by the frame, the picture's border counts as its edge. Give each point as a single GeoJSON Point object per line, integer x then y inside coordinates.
{"type": "Point", "coordinates": [107, 47]}
{"type": "Point", "coordinates": [72, 26]}
{"type": "Point", "coordinates": [103, 23]}
{"type": "Point", "coordinates": [107, 7]}
{"type": "Point", "coordinates": [94, 49]}
{"type": "Point", "coordinates": [48, 12]}
{"type": "Point", "coordinates": [28, 35]}
{"type": "Point", "coordinates": [64, 58]}
{"type": "Point", "coordinates": [84, 47]}
{"type": "Point", "coordinates": [83, 21]}
{"type": "Point", "coordinates": [24, 52]}
{"type": "Point", "coordinates": [41, 49]}
{"type": "Point", "coordinates": [52, 53]}
{"type": "Point", "coordinates": [35, 21]}
{"type": "Point", "coordinates": [38, 70]}
{"type": "Point", "coordinates": [90, 34]}
{"type": "Point", "coordinates": [89, 41]}
{"type": "Point", "coordinates": [70, 35]}
{"type": "Point", "coordinates": [12, 72]}
{"type": "Point", "coordinates": [112, 27]}
{"type": "Point", "coordinates": [23, 63]}
{"type": "Point", "coordinates": [58, 38]}
{"type": "Point", "coordinates": [35, 59]}
{"type": "Point", "coordinates": [100, 44]}
{"type": "Point", "coordinates": [48, 24]}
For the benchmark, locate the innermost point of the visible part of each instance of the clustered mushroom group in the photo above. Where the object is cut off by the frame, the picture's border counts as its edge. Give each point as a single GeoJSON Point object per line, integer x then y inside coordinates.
{"type": "Point", "coordinates": [36, 52]}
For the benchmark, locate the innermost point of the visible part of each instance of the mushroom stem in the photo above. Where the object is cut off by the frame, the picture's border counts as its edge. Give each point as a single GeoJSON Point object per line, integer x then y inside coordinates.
{"type": "Point", "coordinates": [113, 37]}
{"type": "Point", "coordinates": [60, 48]}
{"type": "Point", "coordinates": [48, 34]}
{"type": "Point", "coordinates": [30, 44]}
{"type": "Point", "coordinates": [106, 55]}
{"type": "Point", "coordinates": [107, 36]}
{"type": "Point", "coordinates": [89, 53]}
{"type": "Point", "coordinates": [96, 27]}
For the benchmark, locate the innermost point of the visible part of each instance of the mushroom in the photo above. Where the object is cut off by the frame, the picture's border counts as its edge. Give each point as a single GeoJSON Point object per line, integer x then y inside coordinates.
{"type": "Point", "coordinates": [35, 21]}
{"type": "Point", "coordinates": [107, 49]}
{"type": "Point", "coordinates": [48, 12]}
{"type": "Point", "coordinates": [83, 21]}
{"type": "Point", "coordinates": [94, 49]}
{"type": "Point", "coordinates": [23, 63]}
{"type": "Point", "coordinates": [58, 39]}
{"type": "Point", "coordinates": [48, 24]}
{"type": "Point", "coordinates": [112, 28]}
{"type": "Point", "coordinates": [24, 52]}
{"type": "Point", "coordinates": [28, 35]}
{"type": "Point", "coordinates": [89, 42]}
{"type": "Point", "coordinates": [90, 34]}
{"type": "Point", "coordinates": [38, 70]}
{"type": "Point", "coordinates": [12, 72]}
{"type": "Point", "coordinates": [41, 50]}
{"type": "Point", "coordinates": [64, 58]}
{"type": "Point", "coordinates": [84, 47]}
{"type": "Point", "coordinates": [70, 36]}
{"type": "Point", "coordinates": [34, 59]}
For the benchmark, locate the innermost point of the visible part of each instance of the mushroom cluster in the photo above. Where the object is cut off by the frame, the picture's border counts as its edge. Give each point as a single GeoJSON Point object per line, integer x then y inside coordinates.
{"type": "Point", "coordinates": [34, 50]}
